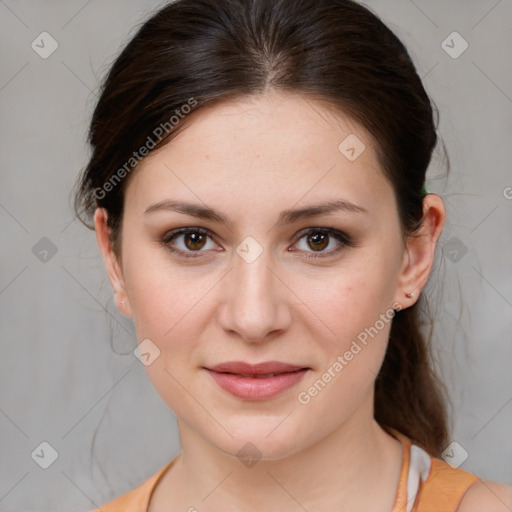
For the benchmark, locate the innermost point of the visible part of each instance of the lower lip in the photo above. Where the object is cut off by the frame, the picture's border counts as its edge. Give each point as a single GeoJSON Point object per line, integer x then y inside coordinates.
{"type": "Point", "coordinates": [253, 388]}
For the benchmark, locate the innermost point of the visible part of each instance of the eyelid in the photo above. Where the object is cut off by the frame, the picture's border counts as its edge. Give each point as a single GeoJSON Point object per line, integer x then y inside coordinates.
{"type": "Point", "coordinates": [326, 230]}
{"type": "Point", "coordinates": [171, 235]}
{"type": "Point", "coordinates": [344, 239]}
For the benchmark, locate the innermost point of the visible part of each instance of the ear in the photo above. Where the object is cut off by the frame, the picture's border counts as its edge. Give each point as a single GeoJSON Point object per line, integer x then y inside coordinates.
{"type": "Point", "coordinates": [114, 270]}
{"type": "Point", "coordinates": [418, 257]}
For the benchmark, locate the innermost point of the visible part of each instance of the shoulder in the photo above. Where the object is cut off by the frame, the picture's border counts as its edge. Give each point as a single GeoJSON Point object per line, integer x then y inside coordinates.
{"type": "Point", "coordinates": [137, 499]}
{"type": "Point", "coordinates": [487, 495]}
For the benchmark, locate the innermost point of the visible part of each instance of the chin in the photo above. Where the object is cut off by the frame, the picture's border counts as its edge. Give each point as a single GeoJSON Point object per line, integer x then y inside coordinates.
{"type": "Point", "coordinates": [261, 441]}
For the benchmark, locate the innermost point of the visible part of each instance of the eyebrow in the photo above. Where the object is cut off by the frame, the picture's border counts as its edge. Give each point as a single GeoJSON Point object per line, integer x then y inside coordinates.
{"type": "Point", "coordinates": [285, 216]}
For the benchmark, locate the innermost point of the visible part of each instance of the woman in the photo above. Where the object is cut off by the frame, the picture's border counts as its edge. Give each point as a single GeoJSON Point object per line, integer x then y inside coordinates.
{"type": "Point", "coordinates": [257, 190]}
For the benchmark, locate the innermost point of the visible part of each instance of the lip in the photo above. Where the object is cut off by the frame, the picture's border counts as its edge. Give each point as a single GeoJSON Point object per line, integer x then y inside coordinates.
{"type": "Point", "coordinates": [251, 382]}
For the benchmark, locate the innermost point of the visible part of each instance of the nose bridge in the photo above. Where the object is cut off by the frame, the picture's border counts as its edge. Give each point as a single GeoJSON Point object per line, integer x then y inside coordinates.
{"type": "Point", "coordinates": [255, 303]}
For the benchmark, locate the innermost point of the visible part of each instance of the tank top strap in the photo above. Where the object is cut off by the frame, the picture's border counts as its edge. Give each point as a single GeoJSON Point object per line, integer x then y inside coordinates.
{"type": "Point", "coordinates": [401, 492]}
{"type": "Point", "coordinates": [444, 488]}
{"type": "Point", "coordinates": [441, 490]}
{"type": "Point", "coordinates": [136, 500]}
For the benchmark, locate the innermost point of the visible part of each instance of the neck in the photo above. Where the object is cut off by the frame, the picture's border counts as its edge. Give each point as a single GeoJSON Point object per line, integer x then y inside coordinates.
{"type": "Point", "coordinates": [355, 467]}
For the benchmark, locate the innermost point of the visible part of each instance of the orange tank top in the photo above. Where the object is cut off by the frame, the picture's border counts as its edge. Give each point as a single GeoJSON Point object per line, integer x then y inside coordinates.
{"type": "Point", "coordinates": [426, 484]}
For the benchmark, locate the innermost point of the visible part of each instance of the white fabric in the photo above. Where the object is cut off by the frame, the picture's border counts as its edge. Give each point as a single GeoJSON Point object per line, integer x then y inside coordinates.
{"type": "Point", "coordinates": [419, 469]}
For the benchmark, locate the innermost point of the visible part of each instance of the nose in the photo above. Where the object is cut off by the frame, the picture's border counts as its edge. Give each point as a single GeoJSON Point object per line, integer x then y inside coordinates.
{"type": "Point", "coordinates": [254, 304]}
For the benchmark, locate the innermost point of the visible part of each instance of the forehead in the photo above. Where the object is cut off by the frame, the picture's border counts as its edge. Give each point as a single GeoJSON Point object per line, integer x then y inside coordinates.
{"type": "Point", "coordinates": [275, 148]}
{"type": "Point", "coordinates": [286, 122]}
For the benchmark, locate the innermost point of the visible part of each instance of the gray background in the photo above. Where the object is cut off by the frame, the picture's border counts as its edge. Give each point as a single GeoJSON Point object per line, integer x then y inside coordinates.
{"type": "Point", "coordinates": [62, 368]}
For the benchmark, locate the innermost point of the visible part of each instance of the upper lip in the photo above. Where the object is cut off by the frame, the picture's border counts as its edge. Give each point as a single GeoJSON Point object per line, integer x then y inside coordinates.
{"type": "Point", "coordinates": [264, 368]}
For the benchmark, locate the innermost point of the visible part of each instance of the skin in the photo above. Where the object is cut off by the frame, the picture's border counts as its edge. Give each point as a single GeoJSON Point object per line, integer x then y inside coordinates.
{"type": "Point", "coordinates": [250, 159]}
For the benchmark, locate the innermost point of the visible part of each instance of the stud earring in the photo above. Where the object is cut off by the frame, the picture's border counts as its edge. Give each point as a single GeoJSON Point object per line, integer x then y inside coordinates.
{"type": "Point", "coordinates": [122, 302]}
{"type": "Point", "coordinates": [409, 295]}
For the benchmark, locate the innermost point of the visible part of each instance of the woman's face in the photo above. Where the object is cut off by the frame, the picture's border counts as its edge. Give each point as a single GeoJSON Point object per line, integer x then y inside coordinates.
{"type": "Point", "coordinates": [248, 289]}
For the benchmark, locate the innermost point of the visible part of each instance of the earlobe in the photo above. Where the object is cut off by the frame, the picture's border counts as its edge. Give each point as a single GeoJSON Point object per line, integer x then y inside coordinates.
{"type": "Point", "coordinates": [420, 250]}
{"type": "Point", "coordinates": [114, 271]}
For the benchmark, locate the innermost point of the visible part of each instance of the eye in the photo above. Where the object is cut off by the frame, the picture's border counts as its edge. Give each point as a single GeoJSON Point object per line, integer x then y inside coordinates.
{"type": "Point", "coordinates": [193, 241]}
{"type": "Point", "coordinates": [320, 238]}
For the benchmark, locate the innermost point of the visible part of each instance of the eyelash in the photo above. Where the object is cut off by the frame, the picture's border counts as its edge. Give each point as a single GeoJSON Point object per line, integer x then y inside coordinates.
{"type": "Point", "coordinates": [345, 240]}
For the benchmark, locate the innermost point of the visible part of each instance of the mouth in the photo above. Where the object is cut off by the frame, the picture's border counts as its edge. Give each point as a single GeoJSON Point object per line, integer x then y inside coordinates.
{"type": "Point", "coordinates": [256, 382]}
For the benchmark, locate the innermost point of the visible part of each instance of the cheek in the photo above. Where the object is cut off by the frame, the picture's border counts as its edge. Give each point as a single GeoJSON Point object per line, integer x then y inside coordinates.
{"type": "Point", "coordinates": [356, 330]}
{"type": "Point", "coordinates": [358, 320]}
{"type": "Point", "coordinates": [354, 314]}
{"type": "Point", "coordinates": [336, 306]}
{"type": "Point", "coordinates": [166, 305]}
{"type": "Point", "coordinates": [163, 296]}
{"type": "Point", "coordinates": [332, 310]}
{"type": "Point", "coordinates": [344, 302]}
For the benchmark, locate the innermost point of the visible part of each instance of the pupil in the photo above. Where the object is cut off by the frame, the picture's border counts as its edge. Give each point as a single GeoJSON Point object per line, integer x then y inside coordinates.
{"type": "Point", "coordinates": [319, 238]}
{"type": "Point", "coordinates": [196, 239]}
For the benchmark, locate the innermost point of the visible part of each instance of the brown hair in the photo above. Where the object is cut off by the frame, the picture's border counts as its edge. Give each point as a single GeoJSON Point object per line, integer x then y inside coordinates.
{"type": "Point", "coordinates": [198, 52]}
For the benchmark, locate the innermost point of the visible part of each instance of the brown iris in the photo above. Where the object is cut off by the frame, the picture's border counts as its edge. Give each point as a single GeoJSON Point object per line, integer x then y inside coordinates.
{"type": "Point", "coordinates": [197, 240]}
{"type": "Point", "coordinates": [320, 240]}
